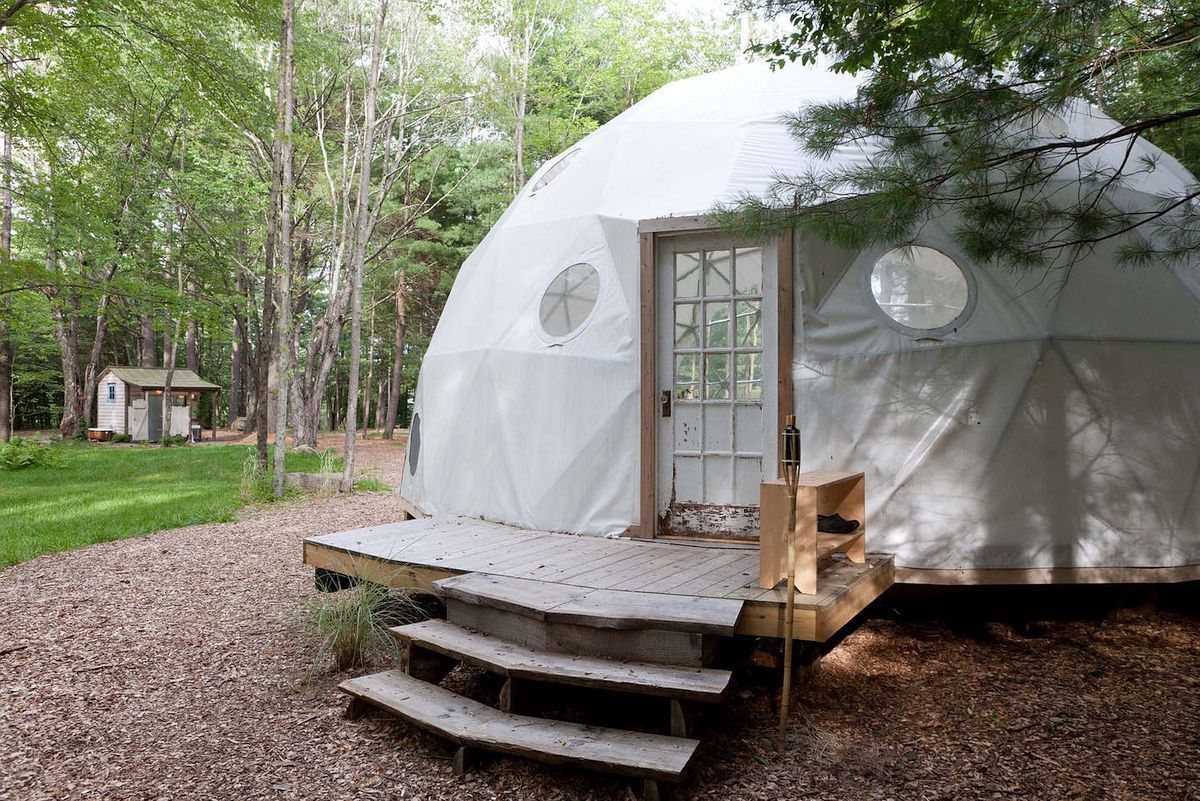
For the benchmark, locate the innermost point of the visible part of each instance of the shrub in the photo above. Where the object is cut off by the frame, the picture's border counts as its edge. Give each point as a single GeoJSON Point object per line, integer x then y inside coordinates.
{"type": "Point", "coordinates": [352, 624]}
{"type": "Point", "coordinates": [122, 438]}
{"type": "Point", "coordinates": [173, 439]}
{"type": "Point", "coordinates": [21, 453]}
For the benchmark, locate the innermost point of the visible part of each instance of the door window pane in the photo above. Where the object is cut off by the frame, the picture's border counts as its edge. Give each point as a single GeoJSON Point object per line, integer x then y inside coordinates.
{"type": "Point", "coordinates": [748, 270]}
{"type": "Point", "coordinates": [687, 325]}
{"type": "Point", "coordinates": [749, 376]}
{"type": "Point", "coordinates": [687, 376]}
{"type": "Point", "coordinates": [687, 275]}
{"type": "Point", "coordinates": [716, 324]}
{"type": "Point", "coordinates": [749, 324]}
{"type": "Point", "coordinates": [717, 272]}
{"type": "Point", "coordinates": [716, 376]}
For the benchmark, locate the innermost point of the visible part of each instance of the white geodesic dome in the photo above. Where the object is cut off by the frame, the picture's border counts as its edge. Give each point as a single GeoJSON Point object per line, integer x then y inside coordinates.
{"type": "Point", "coordinates": [1055, 425]}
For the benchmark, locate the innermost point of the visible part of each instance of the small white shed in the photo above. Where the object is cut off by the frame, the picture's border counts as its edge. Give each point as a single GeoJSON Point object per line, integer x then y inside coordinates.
{"type": "Point", "coordinates": [131, 400]}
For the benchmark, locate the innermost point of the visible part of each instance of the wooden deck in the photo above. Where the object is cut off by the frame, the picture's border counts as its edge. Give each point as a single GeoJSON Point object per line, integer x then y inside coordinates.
{"type": "Point", "coordinates": [415, 553]}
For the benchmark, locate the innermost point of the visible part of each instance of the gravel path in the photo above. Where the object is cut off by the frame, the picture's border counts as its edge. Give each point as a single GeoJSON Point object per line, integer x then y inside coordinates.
{"type": "Point", "coordinates": [175, 666]}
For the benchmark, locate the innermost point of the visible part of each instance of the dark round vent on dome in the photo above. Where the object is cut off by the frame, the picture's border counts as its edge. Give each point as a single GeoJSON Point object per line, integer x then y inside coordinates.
{"type": "Point", "coordinates": [414, 444]}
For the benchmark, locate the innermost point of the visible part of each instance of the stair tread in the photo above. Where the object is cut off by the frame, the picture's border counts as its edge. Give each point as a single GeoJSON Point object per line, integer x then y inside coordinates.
{"type": "Point", "coordinates": [520, 662]}
{"type": "Point", "coordinates": [473, 724]}
{"type": "Point", "coordinates": [617, 609]}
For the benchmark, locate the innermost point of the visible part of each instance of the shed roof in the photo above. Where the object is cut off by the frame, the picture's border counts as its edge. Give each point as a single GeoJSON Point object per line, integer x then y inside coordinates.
{"type": "Point", "coordinates": [154, 377]}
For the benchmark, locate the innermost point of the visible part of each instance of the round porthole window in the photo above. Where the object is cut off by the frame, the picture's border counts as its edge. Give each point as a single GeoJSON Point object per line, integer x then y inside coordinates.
{"type": "Point", "coordinates": [920, 288]}
{"type": "Point", "coordinates": [569, 300]}
{"type": "Point", "coordinates": [414, 444]}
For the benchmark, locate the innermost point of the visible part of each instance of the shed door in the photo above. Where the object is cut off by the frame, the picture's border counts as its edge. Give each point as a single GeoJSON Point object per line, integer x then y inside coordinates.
{"type": "Point", "coordinates": [717, 379]}
{"type": "Point", "coordinates": [154, 417]}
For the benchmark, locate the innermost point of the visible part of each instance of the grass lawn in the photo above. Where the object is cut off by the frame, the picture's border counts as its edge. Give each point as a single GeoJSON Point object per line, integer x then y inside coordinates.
{"type": "Point", "coordinates": [105, 492]}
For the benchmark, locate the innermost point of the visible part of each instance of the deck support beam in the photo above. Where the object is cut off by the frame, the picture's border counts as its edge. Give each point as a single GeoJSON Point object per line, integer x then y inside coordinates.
{"type": "Point", "coordinates": [466, 759]}
{"type": "Point", "coordinates": [428, 665]}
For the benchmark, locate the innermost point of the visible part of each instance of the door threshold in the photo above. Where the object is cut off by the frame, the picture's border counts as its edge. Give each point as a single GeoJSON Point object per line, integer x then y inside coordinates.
{"type": "Point", "coordinates": [714, 541]}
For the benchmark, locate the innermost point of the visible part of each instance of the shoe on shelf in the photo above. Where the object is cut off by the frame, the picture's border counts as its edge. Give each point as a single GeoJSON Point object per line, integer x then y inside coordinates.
{"type": "Point", "coordinates": [835, 524]}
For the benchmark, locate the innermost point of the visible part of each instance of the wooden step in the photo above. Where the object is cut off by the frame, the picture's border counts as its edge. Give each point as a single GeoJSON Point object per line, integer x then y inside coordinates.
{"type": "Point", "coordinates": [605, 609]}
{"type": "Point", "coordinates": [634, 645]}
{"type": "Point", "coordinates": [520, 662]}
{"type": "Point", "coordinates": [472, 724]}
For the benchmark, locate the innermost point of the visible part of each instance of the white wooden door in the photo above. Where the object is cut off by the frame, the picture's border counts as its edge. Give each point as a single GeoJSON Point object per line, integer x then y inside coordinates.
{"type": "Point", "coordinates": [717, 384]}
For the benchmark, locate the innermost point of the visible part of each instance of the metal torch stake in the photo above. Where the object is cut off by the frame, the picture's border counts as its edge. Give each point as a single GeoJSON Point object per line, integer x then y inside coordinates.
{"type": "Point", "coordinates": [790, 465]}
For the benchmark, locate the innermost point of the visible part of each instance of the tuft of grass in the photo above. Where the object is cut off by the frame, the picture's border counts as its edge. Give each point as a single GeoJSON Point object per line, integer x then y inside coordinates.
{"type": "Point", "coordinates": [371, 484]}
{"type": "Point", "coordinates": [21, 453]}
{"type": "Point", "coordinates": [102, 494]}
{"type": "Point", "coordinates": [352, 625]}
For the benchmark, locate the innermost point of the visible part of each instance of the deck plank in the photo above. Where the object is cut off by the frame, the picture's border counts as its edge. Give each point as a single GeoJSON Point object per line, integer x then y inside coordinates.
{"type": "Point", "coordinates": [427, 550]}
{"type": "Point", "coordinates": [697, 585]}
{"type": "Point", "coordinates": [470, 723]}
{"type": "Point", "coordinates": [708, 563]}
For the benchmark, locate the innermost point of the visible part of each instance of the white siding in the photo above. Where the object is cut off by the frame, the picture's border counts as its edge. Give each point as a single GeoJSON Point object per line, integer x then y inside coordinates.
{"type": "Point", "coordinates": [110, 413]}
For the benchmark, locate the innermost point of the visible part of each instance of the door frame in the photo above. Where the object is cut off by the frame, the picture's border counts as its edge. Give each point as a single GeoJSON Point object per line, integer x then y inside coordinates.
{"type": "Point", "coordinates": [649, 233]}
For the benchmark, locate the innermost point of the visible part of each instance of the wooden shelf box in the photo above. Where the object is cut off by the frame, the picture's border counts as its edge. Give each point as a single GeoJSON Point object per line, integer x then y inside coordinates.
{"type": "Point", "coordinates": [823, 492]}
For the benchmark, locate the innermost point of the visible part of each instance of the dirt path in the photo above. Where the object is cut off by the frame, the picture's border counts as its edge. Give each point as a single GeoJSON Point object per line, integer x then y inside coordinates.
{"type": "Point", "coordinates": [174, 666]}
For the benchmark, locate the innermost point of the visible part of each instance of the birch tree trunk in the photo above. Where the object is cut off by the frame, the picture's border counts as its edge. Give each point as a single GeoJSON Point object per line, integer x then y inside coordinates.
{"type": "Point", "coordinates": [362, 229]}
{"type": "Point", "coordinates": [191, 337]}
{"type": "Point", "coordinates": [284, 369]}
{"type": "Point", "coordinates": [6, 345]}
{"type": "Point", "coordinates": [266, 331]}
{"type": "Point", "coordinates": [171, 345]}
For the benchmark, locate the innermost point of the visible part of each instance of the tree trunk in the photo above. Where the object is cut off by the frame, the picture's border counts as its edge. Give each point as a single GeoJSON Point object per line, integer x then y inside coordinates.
{"type": "Point", "coordinates": [66, 332]}
{"type": "Point", "coordinates": [191, 346]}
{"type": "Point", "coordinates": [147, 348]}
{"type": "Point", "coordinates": [381, 401]}
{"type": "Point", "coordinates": [389, 427]}
{"type": "Point", "coordinates": [266, 330]}
{"type": "Point", "coordinates": [91, 372]}
{"type": "Point", "coordinates": [6, 344]}
{"type": "Point", "coordinates": [284, 133]}
{"type": "Point", "coordinates": [362, 228]}
{"type": "Point", "coordinates": [366, 395]}
{"type": "Point", "coordinates": [235, 360]}
{"type": "Point", "coordinates": [168, 404]}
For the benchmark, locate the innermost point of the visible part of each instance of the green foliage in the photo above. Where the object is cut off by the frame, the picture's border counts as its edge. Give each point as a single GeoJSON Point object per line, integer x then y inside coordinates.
{"type": "Point", "coordinates": [964, 101]}
{"type": "Point", "coordinates": [122, 438]}
{"type": "Point", "coordinates": [352, 625]}
{"type": "Point", "coordinates": [370, 484]}
{"type": "Point", "coordinates": [170, 440]}
{"type": "Point", "coordinates": [101, 494]}
{"type": "Point", "coordinates": [142, 137]}
{"type": "Point", "coordinates": [20, 453]}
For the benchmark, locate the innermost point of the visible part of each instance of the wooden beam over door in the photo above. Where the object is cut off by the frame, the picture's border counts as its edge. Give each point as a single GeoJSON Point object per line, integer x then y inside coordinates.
{"type": "Point", "coordinates": [676, 225]}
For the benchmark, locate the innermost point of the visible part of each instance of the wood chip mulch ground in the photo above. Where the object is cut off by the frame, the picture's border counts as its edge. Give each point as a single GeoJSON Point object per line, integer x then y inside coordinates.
{"type": "Point", "coordinates": [176, 666]}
